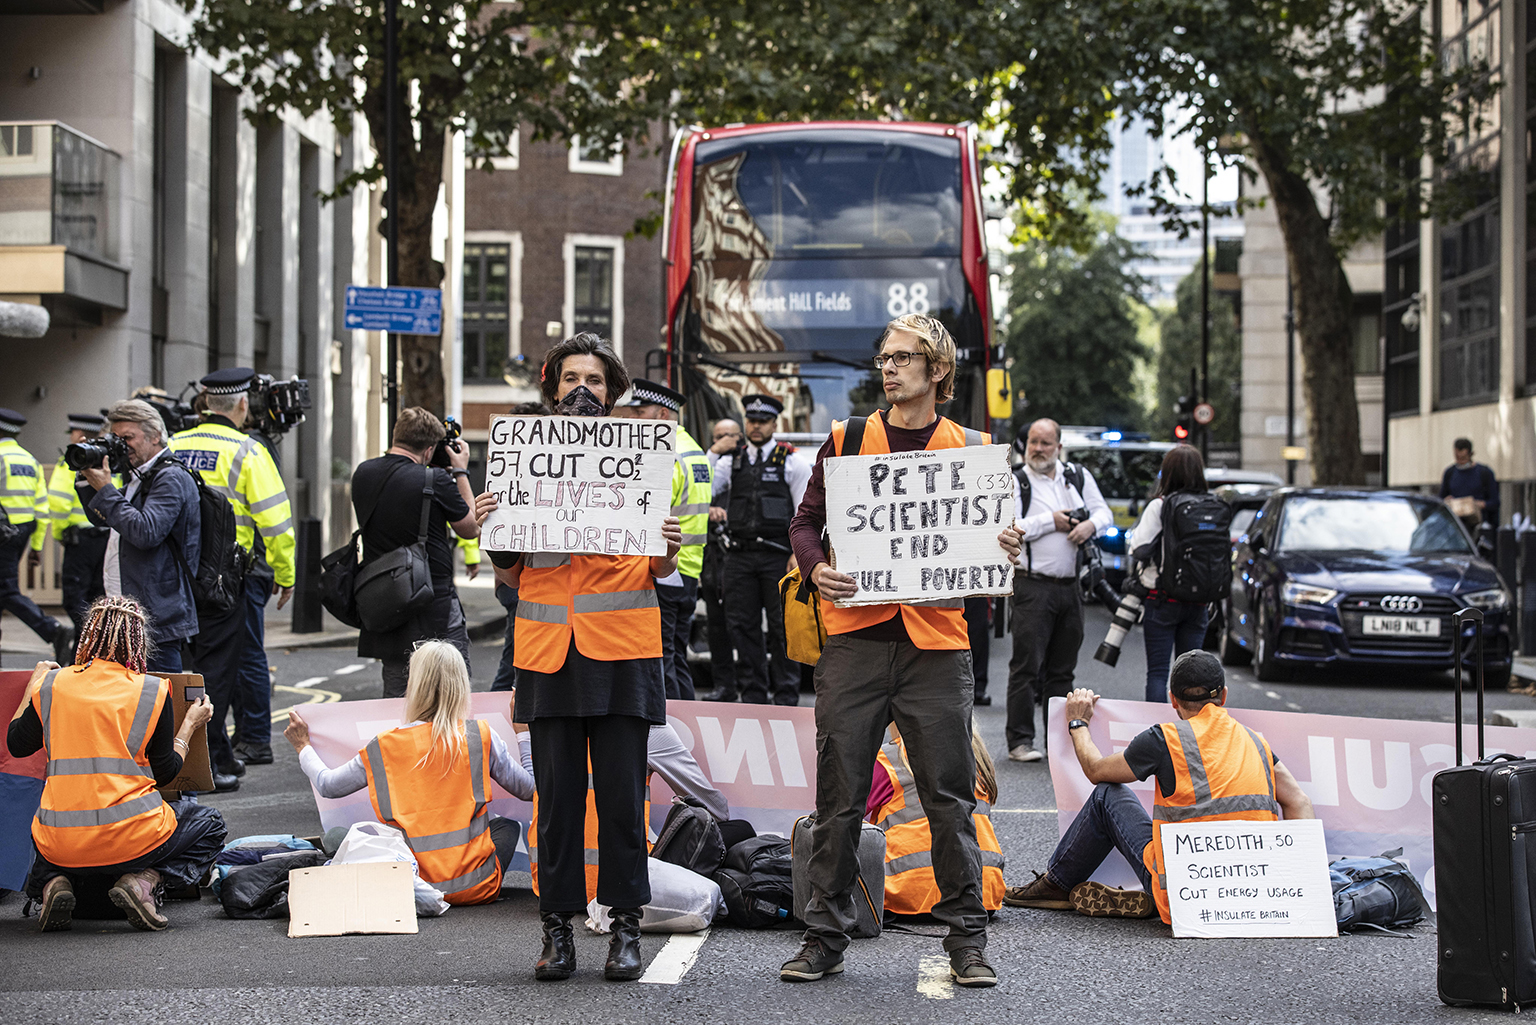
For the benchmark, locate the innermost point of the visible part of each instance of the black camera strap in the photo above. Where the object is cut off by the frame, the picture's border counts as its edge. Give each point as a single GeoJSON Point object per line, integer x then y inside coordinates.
{"type": "Point", "coordinates": [1072, 474]}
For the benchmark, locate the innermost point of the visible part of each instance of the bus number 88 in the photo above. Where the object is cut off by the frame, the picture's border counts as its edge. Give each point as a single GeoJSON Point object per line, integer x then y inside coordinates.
{"type": "Point", "coordinates": [902, 299]}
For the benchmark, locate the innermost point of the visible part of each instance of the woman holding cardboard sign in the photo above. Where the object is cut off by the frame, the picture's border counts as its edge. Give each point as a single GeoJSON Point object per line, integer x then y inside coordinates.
{"type": "Point", "coordinates": [110, 737]}
{"type": "Point", "coordinates": [589, 686]}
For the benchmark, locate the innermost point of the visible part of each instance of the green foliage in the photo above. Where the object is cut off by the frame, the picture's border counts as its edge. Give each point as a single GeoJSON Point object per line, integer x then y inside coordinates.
{"type": "Point", "coordinates": [1179, 351]}
{"type": "Point", "coordinates": [1073, 335]}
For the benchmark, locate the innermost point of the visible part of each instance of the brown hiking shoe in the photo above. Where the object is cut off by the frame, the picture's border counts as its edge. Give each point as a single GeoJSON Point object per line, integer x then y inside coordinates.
{"type": "Point", "coordinates": [58, 910]}
{"type": "Point", "coordinates": [135, 894]}
{"type": "Point", "coordinates": [1100, 901]}
{"type": "Point", "coordinates": [1042, 893]}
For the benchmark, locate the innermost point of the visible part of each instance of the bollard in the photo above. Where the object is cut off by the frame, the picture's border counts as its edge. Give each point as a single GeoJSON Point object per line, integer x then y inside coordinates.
{"type": "Point", "coordinates": [1506, 550]}
{"type": "Point", "coordinates": [306, 587]}
{"type": "Point", "coordinates": [1528, 592]}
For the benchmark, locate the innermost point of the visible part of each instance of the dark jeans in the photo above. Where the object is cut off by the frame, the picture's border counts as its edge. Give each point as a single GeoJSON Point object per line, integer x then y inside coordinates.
{"type": "Point", "coordinates": [505, 833]}
{"type": "Point", "coordinates": [722, 656]}
{"type": "Point", "coordinates": [11, 598]}
{"type": "Point", "coordinates": [1047, 632]}
{"type": "Point", "coordinates": [397, 671]}
{"type": "Point", "coordinates": [252, 700]}
{"type": "Point", "coordinates": [1169, 629]}
{"type": "Point", "coordinates": [218, 653]}
{"type": "Point", "coordinates": [861, 686]}
{"type": "Point", "coordinates": [981, 639]}
{"type": "Point", "coordinates": [752, 588]}
{"type": "Point", "coordinates": [80, 576]}
{"type": "Point", "coordinates": [1113, 819]}
{"type": "Point", "coordinates": [183, 859]}
{"type": "Point", "coordinates": [677, 607]}
{"type": "Point", "coordinates": [167, 658]}
{"type": "Point", "coordinates": [616, 744]}
{"type": "Point", "coordinates": [506, 672]}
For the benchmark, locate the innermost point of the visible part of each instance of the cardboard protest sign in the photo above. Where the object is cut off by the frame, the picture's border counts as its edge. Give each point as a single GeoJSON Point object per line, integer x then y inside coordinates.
{"type": "Point", "coordinates": [1248, 879]}
{"type": "Point", "coordinates": [196, 769]}
{"type": "Point", "coordinates": [337, 900]}
{"type": "Point", "coordinates": [1369, 779]}
{"type": "Point", "coordinates": [919, 526]}
{"type": "Point", "coordinates": [586, 485]}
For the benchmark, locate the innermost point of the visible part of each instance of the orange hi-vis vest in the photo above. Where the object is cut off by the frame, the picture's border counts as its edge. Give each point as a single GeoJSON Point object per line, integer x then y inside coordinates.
{"type": "Point", "coordinates": [439, 803]}
{"type": "Point", "coordinates": [937, 625]}
{"type": "Point", "coordinates": [607, 601]}
{"type": "Point", "coordinates": [910, 886]}
{"type": "Point", "coordinates": [99, 804]}
{"type": "Point", "coordinates": [589, 834]}
{"type": "Point", "coordinates": [1224, 773]}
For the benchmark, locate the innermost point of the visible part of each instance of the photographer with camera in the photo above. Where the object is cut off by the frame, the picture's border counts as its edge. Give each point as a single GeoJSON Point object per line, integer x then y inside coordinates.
{"type": "Point", "coordinates": [24, 504]}
{"type": "Point", "coordinates": [155, 525]}
{"type": "Point", "coordinates": [1059, 511]}
{"type": "Point", "coordinates": [84, 543]}
{"type": "Point", "coordinates": [239, 467]}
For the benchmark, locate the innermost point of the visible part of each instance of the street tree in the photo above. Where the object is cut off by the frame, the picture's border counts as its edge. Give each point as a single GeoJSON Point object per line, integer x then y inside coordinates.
{"type": "Point", "coordinates": [1336, 103]}
{"type": "Point", "coordinates": [1072, 334]}
{"type": "Point", "coordinates": [1179, 352]}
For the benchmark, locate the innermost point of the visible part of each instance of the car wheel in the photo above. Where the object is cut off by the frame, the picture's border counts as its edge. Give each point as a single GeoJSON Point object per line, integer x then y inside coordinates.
{"type": "Point", "coordinates": [1232, 653]}
{"type": "Point", "coordinates": [1264, 665]}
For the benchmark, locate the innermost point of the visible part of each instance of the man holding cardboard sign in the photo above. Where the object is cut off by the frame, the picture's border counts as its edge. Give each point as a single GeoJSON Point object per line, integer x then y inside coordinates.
{"type": "Point", "coordinates": [895, 652]}
{"type": "Point", "coordinates": [1209, 768]}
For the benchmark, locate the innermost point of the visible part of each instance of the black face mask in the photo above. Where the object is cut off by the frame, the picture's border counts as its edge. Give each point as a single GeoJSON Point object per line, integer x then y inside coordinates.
{"type": "Point", "coordinates": [580, 402]}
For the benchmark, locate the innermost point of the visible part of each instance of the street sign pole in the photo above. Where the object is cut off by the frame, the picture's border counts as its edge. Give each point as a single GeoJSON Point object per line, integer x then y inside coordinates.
{"type": "Point", "coordinates": [391, 205]}
{"type": "Point", "coordinates": [1205, 298]}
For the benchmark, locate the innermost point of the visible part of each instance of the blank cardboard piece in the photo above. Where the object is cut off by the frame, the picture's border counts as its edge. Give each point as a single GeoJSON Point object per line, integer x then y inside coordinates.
{"type": "Point", "coordinates": [196, 767]}
{"type": "Point", "coordinates": [334, 900]}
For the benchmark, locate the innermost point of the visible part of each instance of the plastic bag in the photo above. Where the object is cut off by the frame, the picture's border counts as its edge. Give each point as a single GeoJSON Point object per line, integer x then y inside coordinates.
{"type": "Point", "coordinates": [374, 841]}
{"type": "Point", "coordinates": [681, 901]}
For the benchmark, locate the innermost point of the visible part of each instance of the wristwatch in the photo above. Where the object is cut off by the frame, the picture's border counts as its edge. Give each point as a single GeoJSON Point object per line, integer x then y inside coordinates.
{"type": "Point", "coordinates": [458, 472]}
{"type": "Point", "coordinates": [1075, 723]}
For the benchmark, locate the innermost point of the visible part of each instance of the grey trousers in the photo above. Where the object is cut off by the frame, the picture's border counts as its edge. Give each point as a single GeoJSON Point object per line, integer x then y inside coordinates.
{"type": "Point", "coordinates": [861, 687]}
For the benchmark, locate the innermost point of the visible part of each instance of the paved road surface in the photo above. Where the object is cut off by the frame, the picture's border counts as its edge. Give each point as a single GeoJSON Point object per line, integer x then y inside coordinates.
{"type": "Point", "coordinates": [474, 964]}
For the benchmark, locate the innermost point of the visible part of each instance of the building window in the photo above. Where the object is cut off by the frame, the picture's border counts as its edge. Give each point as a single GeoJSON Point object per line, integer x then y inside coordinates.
{"type": "Point", "coordinates": [594, 286]}
{"type": "Point", "coordinates": [487, 302]}
{"type": "Point", "coordinates": [501, 161]}
{"type": "Point", "coordinates": [1367, 321]}
{"type": "Point", "coordinates": [596, 157]}
{"type": "Point", "coordinates": [1400, 301]}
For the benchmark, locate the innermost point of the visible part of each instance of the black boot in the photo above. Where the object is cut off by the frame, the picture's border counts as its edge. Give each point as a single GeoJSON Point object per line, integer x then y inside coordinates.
{"type": "Point", "coordinates": [558, 960]}
{"type": "Point", "coordinates": [624, 964]}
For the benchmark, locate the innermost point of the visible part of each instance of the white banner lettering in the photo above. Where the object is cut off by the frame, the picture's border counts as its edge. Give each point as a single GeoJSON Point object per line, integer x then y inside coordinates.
{"type": "Point", "coordinates": [1248, 879]}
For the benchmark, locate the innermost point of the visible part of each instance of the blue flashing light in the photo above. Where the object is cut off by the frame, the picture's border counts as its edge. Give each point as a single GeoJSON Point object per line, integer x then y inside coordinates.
{"type": "Point", "coordinates": [1112, 532]}
{"type": "Point", "coordinates": [1111, 436]}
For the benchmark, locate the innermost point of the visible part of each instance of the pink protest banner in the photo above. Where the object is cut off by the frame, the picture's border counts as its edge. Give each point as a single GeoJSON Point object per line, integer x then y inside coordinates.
{"type": "Point", "coordinates": [761, 757]}
{"type": "Point", "coordinates": [1369, 779]}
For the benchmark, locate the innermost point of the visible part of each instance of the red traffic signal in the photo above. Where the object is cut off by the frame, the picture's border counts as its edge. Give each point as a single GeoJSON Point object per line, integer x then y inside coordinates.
{"type": "Point", "coordinates": [1180, 431]}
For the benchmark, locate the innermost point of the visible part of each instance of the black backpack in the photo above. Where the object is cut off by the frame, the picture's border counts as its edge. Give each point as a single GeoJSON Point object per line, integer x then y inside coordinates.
{"type": "Point", "coordinates": [1376, 893]}
{"type": "Point", "coordinates": [690, 837]}
{"type": "Point", "coordinates": [757, 882]}
{"type": "Point", "coordinates": [222, 562]}
{"type": "Point", "coordinates": [1196, 563]}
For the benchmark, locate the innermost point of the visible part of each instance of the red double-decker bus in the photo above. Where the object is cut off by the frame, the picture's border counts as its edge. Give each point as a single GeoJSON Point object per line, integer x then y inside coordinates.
{"type": "Point", "coordinates": [788, 248]}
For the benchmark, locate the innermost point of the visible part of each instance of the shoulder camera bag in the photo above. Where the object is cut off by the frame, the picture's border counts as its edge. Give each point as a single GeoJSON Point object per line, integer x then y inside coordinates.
{"type": "Point", "coordinates": [393, 587]}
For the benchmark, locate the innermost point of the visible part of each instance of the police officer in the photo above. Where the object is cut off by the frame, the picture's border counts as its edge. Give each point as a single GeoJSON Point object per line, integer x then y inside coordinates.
{"type": "Point", "coordinates": [84, 542]}
{"type": "Point", "coordinates": [239, 466]}
{"type": "Point", "coordinates": [692, 487]}
{"type": "Point", "coordinates": [24, 500]}
{"type": "Point", "coordinates": [766, 479]}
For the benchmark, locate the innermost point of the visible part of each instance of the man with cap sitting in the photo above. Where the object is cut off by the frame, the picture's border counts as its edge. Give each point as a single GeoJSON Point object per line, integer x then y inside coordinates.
{"type": "Point", "coordinates": [24, 501]}
{"type": "Point", "coordinates": [239, 467]}
{"type": "Point", "coordinates": [1209, 768]}
{"type": "Point", "coordinates": [692, 488]}
{"type": "Point", "coordinates": [84, 542]}
{"type": "Point", "coordinates": [766, 479]}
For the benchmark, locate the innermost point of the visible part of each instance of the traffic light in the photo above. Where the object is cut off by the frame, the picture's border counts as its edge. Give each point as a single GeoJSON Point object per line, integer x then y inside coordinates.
{"type": "Point", "coordinates": [1184, 426]}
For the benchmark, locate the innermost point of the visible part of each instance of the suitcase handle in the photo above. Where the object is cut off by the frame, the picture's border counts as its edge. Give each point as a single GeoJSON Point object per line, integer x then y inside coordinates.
{"type": "Point", "coordinates": [1469, 615]}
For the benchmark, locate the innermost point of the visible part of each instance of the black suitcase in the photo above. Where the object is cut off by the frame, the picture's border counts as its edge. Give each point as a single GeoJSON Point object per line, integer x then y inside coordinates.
{"type": "Point", "coordinates": [1485, 865]}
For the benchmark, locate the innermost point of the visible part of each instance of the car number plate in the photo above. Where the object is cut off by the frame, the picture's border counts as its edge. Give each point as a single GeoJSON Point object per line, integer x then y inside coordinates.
{"type": "Point", "coordinates": [1402, 626]}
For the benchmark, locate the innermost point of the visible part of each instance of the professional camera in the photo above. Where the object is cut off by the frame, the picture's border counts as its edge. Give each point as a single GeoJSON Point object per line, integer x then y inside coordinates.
{"type": "Point", "coordinates": [440, 454]}
{"type": "Point", "coordinates": [176, 413]}
{"type": "Point", "coordinates": [1127, 614]}
{"type": "Point", "coordinates": [277, 407]}
{"type": "Point", "coordinates": [83, 455]}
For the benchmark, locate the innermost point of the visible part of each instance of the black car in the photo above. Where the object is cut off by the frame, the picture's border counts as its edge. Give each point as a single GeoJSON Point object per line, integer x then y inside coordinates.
{"type": "Point", "coordinates": [1324, 576]}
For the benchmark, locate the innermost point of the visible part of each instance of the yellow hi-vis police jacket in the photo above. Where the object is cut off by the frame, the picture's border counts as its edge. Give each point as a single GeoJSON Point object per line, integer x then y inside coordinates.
{"type": "Point", "coordinates": [239, 467]}
{"type": "Point", "coordinates": [23, 492]}
{"type": "Point", "coordinates": [64, 508]}
{"type": "Point", "coordinates": [691, 490]}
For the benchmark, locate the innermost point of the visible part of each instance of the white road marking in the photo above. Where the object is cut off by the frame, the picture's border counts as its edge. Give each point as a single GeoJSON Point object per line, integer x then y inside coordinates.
{"type": "Point", "coordinates": [312, 681]}
{"type": "Point", "coordinates": [933, 979]}
{"type": "Point", "coordinates": [1293, 706]}
{"type": "Point", "coordinates": [349, 670]}
{"type": "Point", "coordinates": [676, 957]}
{"type": "Point", "coordinates": [1271, 695]}
{"type": "Point", "coordinates": [1253, 685]}
{"type": "Point", "coordinates": [1023, 811]}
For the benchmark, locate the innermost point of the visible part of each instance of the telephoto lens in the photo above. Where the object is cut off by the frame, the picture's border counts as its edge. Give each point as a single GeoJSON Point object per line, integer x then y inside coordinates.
{"type": "Point", "coordinates": [84, 455]}
{"type": "Point", "coordinates": [1126, 615]}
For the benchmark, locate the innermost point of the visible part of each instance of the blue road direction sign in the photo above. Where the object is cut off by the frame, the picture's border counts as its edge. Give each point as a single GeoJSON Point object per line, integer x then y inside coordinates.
{"type": "Point", "coordinates": [401, 311]}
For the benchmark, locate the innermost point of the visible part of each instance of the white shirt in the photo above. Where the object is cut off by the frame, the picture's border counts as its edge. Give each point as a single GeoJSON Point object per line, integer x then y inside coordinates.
{"type": "Point", "coordinates": [111, 568]}
{"type": "Point", "coordinates": [797, 469]}
{"type": "Point", "coordinates": [1148, 529]}
{"type": "Point", "coordinates": [1047, 550]}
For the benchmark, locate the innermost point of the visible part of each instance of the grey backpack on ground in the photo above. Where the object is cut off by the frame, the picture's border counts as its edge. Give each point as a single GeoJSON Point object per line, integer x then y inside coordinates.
{"type": "Point", "coordinates": [868, 888]}
{"type": "Point", "coordinates": [690, 837]}
{"type": "Point", "coordinates": [1376, 893]}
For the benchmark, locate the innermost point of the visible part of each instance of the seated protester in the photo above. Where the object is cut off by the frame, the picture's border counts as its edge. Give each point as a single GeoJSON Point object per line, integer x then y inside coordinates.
{"type": "Point", "coordinates": [1242, 781]}
{"type": "Point", "coordinates": [910, 888]}
{"type": "Point", "coordinates": [110, 738]}
{"type": "Point", "coordinates": [432, 777]}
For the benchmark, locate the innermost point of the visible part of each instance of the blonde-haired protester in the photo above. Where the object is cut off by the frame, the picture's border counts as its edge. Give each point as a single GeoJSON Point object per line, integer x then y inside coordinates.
{"type": "Point", "coordinates": [110, 738]}
{"type": "Point", "coordinates": [589, 685]}
{"type": "Point", "coordinates": [431, 778]}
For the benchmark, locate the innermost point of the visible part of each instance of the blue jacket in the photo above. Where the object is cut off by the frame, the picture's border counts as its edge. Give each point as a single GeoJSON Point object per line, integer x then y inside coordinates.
{"type": "Point", "coordinates": [164, 511]}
